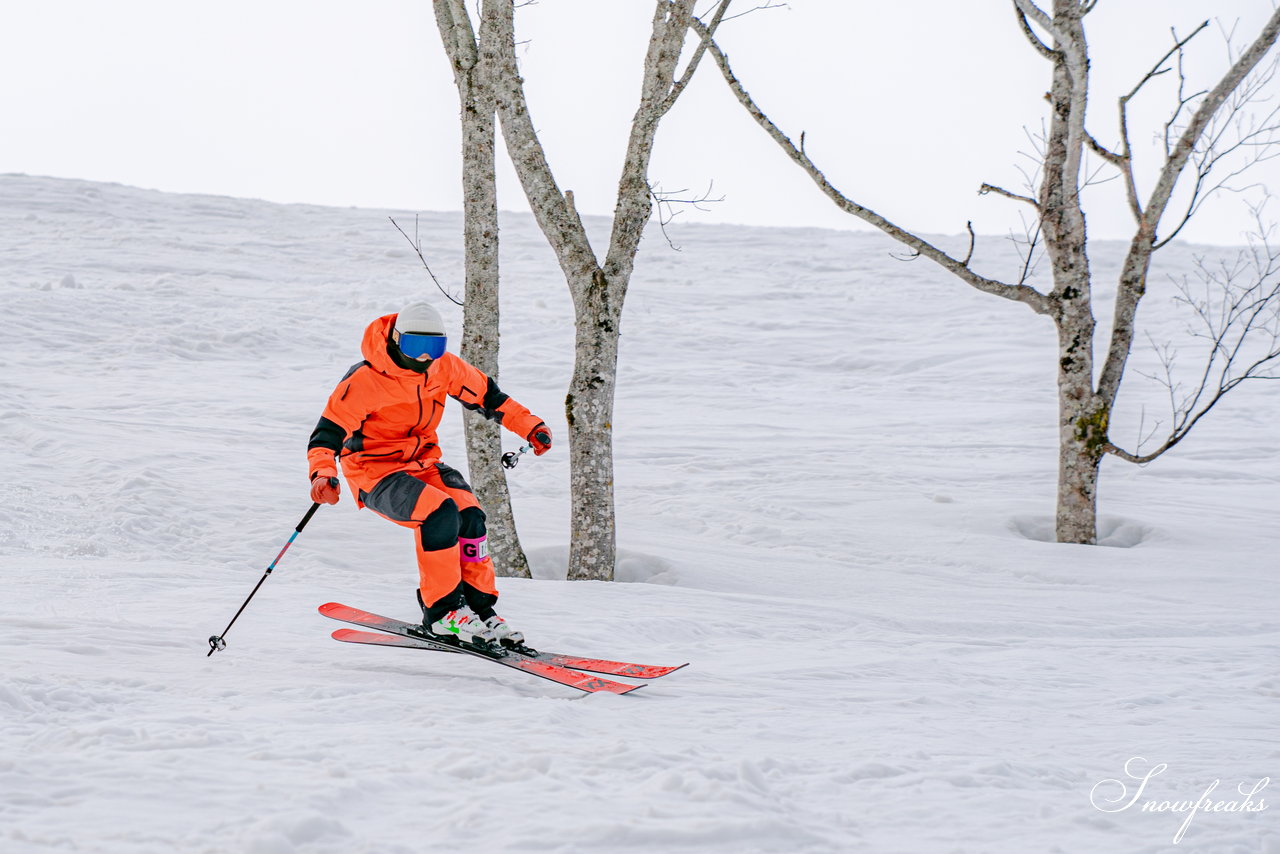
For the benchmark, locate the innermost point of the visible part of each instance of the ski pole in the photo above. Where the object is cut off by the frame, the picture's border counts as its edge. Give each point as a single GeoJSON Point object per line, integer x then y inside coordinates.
{"type": "Point", "coordinates": [216, 642]}
{"type": "Point", "coordinates": [510, 458]}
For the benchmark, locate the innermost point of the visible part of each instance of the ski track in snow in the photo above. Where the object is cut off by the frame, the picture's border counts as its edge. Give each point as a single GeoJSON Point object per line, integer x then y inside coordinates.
{"type": "Point", "coordinates": [835, 469]}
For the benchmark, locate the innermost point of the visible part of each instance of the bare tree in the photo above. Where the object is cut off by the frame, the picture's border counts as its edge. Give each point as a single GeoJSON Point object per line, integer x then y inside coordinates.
{"type": "Point", "coordinates": [598, 286]}
{"type": "Point", "coordinates": [1205, 130]}
{"type": "Point", "coordinates": [474, 80]}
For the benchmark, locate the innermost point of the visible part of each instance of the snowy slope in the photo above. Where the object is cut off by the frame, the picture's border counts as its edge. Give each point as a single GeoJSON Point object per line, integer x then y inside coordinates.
{"type": "Point", "coordinates": [835, 470]}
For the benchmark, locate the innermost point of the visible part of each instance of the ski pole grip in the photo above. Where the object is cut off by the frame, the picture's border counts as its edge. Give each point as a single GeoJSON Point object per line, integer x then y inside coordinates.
{"type": "Point", "coordinates": [307, 518]}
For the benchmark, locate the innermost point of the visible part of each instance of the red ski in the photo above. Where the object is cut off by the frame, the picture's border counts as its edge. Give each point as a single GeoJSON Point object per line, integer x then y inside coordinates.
{"type": "Point", "coordinates": [404, 636]}
{"type": "Point", "coordinates": [591, 665]}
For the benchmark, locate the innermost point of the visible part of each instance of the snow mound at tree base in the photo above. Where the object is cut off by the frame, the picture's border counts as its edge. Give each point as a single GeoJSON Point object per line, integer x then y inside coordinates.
{"type": "Point", "coordinates": [1113, 531]}
{"type": "Point", "coordinates": [551, 563]}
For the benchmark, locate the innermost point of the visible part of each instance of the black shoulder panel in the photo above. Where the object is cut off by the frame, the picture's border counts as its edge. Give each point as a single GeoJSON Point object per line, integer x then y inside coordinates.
{"type": "Point", "coordinates": [327, 434]}
{"type": "Point", "coordinates": [354, 368]}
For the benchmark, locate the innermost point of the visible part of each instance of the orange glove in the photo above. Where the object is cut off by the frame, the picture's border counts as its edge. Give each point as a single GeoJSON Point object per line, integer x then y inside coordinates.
{"type": "Point", "coordinates": [325, 490]}
{"type": "Point", "coordinates": [540, 438]}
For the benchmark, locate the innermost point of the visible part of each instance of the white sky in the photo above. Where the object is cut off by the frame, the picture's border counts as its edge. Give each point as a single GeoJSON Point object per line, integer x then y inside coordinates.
{"type": "Point", "coordinates": [909, 106]}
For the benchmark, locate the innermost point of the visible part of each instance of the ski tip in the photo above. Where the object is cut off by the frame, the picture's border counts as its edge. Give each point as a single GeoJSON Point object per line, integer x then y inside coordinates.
{"type": "Point", "coordinates": [619, 688]}
{"type": "Point", "coordinates": [650, 671]}
{"type": "Point", "coordinates": [606, 686]}
{"type": "Point", "coordinates": [329, 607]}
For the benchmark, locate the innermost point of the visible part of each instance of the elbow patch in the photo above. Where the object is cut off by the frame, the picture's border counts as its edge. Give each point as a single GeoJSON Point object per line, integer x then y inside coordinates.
{"type": "Point", "coordinates": [493, 397]}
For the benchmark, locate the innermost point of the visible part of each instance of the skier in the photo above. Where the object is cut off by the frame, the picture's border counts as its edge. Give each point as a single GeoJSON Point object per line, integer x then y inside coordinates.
{"type": "Point", "coordinates": [381, 423]}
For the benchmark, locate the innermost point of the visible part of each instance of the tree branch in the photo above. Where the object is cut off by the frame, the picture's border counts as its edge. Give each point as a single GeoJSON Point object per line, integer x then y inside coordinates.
{"type": "Point", "coordinates": [1041, 48]}
{"type": "Point", "coordinates": [671, 22]}
{"type": "Point", "coordinates": [769, 4]}
{"type": "Point", "coordinates": [552, 208]}
{"type": "Point", "coordinates": [1241, 324]}
{"type": "Point", "coordinates": [1000, 191]}
{"type": "Point", "coordinates": [694, 61]}
{"type": "Point", "coordinates": [1125, 156]}
{"type": "Point", "coordinates": [1028, 265]}
{"type": "Point", "coordinates": [1133, 279]}
{"type": "Point", "coordinates": [667, 199]}
{"type": "Point", "coordinates": [451, 15]}
{"type": "Point", "coordinates": [417, 247]}
{"type": "Point", "coordinates": [1186, 143]}
{"type": "Point", "coordinates": [1027, 9]}
{"type": "Point", "coordinates": [1105, 153]}
{"type": "Point", "coordinates": [1260, 141]}
{"type": "Point", "coordinates": [1037, 301]}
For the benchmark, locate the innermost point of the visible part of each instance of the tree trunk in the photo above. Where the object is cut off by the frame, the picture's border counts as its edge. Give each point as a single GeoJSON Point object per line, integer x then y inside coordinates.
{"type": "Point", "coordinates": [480, 240]}
{"type": "Point", "coordinates": [1082, 433]}
{"type": "Point", "coordinates": [1082, 418]}
{"type": "Point", "coordinates": [589, 409]}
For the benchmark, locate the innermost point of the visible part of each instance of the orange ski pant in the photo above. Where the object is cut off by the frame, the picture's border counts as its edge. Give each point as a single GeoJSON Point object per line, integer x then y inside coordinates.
{"type": "Point", "coordinates": [450, 540]}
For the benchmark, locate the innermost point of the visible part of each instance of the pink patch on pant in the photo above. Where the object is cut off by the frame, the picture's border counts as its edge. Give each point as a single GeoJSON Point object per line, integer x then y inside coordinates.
{"type": "Point", "coordinates": [473, 549]}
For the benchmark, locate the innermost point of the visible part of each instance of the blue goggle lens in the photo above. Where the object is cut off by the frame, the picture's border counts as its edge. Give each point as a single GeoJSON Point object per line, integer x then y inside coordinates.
{"type": "Point", "coordinates": [415, 345]}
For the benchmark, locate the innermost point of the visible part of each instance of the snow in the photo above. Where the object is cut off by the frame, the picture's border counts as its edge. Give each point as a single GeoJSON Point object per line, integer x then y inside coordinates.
{"type": "Point", "coordinates": [835, 475]}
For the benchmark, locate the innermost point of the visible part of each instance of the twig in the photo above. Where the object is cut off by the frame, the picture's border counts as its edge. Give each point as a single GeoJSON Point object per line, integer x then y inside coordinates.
{"type": "Point", "coordinates": [1125, 157]}
{"type": "Point", "coordinates": [665, 200]}
{"type": "Point", "coordinates": [1029, 261]}
{"type": "Point", "coordinates": [418, 248]}
{"type": "Point", "coordinates": [760, 8]}
{"type": "Point", "coordinates": [1241, 325]}
{"type": "Point", "coordinates": [1260, 140]}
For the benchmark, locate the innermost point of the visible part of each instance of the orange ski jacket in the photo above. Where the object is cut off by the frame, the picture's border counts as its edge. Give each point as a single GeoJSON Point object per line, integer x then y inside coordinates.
{"type": "Point", "coordinates": [382, 418]}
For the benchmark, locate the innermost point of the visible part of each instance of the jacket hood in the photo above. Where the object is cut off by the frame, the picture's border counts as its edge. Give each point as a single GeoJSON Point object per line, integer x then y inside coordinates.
{"type": "Point", "coordinates": [374, 348]}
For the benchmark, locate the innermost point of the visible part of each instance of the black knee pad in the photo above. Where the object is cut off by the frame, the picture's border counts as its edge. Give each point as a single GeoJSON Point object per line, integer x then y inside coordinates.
{"type": "Point", "coordinates": [471, 523]}
{"type": "Point", "coordinates": [440, 529]}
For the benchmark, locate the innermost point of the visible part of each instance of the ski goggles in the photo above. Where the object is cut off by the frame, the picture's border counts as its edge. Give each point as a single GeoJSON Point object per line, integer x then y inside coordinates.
{"type": "Point", "coordinates": [421, 345]}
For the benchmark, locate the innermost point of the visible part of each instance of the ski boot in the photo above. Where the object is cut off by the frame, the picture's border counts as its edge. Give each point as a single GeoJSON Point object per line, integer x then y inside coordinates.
{"type": "Point", "coordinates": [503, 632]}
{"type": "Point", "coordinates": [508, 637]}
{"type": "Point", "coordinates": [463, 628]}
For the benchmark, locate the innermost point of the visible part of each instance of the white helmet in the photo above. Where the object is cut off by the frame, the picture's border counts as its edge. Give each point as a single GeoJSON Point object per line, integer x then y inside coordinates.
{"type": "Point", "coordinates": [419, 332]}
{"type": "Point", "coordinates": [420, 317]}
